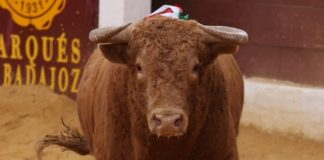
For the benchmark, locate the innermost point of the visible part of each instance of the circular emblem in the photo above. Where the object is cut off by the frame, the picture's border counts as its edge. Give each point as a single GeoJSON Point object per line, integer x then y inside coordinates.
{"type": "Point", "coordinates": [39, 13]}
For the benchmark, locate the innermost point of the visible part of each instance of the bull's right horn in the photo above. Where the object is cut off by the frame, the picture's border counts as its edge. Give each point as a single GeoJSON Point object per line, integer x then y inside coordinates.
{"type": "Point", "coordinates": [120, 34]}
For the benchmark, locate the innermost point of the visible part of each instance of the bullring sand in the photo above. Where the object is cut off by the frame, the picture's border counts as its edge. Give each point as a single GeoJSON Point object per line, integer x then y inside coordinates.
{"type": "Point", "coordinates": [27, 113]}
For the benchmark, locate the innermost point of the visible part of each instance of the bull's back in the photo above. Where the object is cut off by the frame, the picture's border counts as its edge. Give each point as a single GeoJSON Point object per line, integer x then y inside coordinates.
{"type": "Point", "coordinates": [234, 86]}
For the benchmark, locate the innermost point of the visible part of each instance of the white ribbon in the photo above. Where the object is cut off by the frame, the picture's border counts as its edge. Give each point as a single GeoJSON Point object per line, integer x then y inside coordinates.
{"type": "Point", "coordinates": [175, 11]}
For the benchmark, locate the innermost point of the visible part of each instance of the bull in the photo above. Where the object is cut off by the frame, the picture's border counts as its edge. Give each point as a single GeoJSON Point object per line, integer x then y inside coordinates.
{"type": "Point", "coordinates": [162, 89]}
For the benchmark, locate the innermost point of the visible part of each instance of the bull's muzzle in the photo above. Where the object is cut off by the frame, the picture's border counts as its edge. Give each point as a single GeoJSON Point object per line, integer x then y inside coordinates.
{"type": "Point", "coordinates": [167, 122]}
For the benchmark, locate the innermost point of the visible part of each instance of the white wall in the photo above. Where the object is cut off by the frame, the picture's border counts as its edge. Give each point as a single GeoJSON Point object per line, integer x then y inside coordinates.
{"type": "Point", "coordinates": [276, 106]}
{"type": "Point", "coordinates": [118, 12]}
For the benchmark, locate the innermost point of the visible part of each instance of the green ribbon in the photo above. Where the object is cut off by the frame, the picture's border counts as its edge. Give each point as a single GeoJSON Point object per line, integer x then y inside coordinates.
{"type": "Point", "coordinates": [183, 17]}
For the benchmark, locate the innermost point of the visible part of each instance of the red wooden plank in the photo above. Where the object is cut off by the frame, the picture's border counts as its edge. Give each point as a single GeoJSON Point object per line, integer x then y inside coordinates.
{"type": "Point", "coordinates": [294, 3]}
{"type": "Point", "coordinates": [292, 64]}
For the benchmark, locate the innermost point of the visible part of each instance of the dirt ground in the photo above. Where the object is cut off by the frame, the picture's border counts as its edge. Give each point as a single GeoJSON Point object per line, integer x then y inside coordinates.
{"type": "Point", "coordinates": [28, 113]}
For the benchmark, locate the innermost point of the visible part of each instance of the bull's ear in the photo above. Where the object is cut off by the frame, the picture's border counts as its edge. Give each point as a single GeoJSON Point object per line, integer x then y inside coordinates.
{"type": "Point", "coordinates": [116, 53]}
{"type": "Point", "coordinates": [219, 48]}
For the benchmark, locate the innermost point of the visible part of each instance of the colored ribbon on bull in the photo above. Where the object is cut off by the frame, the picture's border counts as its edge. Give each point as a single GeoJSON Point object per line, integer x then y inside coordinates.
{"type": "Point", "coordinates": [170, 11]}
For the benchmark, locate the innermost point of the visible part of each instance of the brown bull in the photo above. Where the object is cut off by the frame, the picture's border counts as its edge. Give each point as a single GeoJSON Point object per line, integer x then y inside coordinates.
{"type": "Point", "coordinates": [170, 89]}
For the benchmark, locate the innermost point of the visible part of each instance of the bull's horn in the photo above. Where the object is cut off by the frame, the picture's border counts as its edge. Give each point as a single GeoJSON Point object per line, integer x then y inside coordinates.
{"type": "Point", "coordinates": [224, 34]}
{"type": "Point", "coordinates": [113, 34]}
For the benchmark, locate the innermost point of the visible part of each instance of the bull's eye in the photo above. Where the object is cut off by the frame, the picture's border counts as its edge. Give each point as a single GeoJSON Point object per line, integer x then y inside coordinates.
{"type": "Point", "coordinates": [138, 68]}
{"type": "Point", "coordinates": [195, 72]}
{"type": "Point", "coordinates": [196, 68]}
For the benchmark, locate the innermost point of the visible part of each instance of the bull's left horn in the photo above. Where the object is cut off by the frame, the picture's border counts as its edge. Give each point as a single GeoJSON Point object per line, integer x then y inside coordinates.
{"type": "Point", "coordinates": [113, 34]}
{"type": "Point", "coordinates": [224, 34]}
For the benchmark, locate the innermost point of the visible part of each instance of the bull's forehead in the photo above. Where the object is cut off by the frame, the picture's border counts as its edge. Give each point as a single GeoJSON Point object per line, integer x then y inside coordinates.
{"type": "Point", "coordinates": [166, 33]}
{"type": "Point", "coordinates": [175, 55]}
{"type": "Point", "coordinates": [170, 42]}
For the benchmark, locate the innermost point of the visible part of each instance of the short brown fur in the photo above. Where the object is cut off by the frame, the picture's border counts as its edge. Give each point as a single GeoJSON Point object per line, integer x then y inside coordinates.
{"type": "Point", "coordinates": [114, 100]}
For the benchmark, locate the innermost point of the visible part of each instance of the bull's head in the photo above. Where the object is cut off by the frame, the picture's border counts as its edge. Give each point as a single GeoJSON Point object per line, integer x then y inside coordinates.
{"type": "Point", "coordinates": [167, 58]}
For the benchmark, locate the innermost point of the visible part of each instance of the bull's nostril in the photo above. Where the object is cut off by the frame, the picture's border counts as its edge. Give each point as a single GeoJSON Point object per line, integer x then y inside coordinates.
{"type": "Point", "coordinates": [178, 122]}
{"type": "Point", "coordinates": [156, 121]}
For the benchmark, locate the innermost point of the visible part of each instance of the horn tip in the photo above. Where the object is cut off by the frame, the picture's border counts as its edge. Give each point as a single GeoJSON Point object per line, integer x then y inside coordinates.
{"type": "Point", "coordinates": [92, 36]}
{"type": "Point", "coordinates": [246, 37]}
